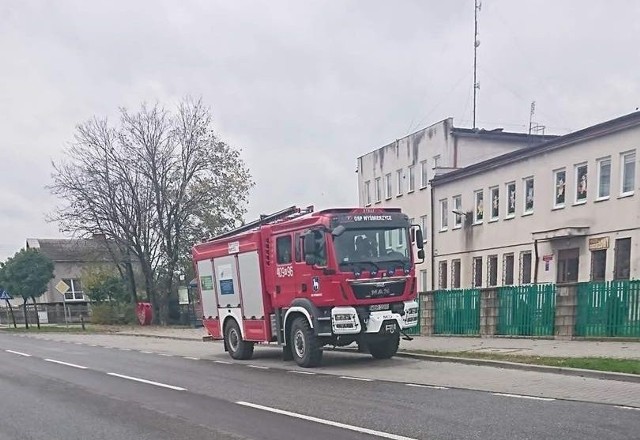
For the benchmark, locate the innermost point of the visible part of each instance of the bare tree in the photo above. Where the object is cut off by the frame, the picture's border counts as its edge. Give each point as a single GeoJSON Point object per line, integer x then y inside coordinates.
{"type": "Point", "coordinates": [153, 185]}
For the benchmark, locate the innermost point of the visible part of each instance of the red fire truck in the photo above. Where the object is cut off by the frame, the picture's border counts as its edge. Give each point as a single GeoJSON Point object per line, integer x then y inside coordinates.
{"type": "Point", "coordinates": [305, 280]}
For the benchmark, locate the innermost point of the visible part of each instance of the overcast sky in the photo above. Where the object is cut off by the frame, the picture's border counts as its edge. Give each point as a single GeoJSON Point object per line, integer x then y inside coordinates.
{"type": "Point", "coordinates": [303, 87]}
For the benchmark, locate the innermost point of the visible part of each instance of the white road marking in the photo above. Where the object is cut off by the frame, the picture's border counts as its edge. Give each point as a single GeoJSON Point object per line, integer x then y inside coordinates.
{"type": "Point", "coordinates": [546, 399]}
{"type": "Point", "coordinates": [628, 407]}
{"type": "Point", "coordinates": [66, 363]}
{"type": "Point", "coordinates": [150, 382]}
{"type": "Point", "coordinates": [326, 422]}
{"type": "Point", "coordinates": [19, 353]}
{"type": "Point", "coordinates": [124, 349]}
{"type": "Point", "coordinates": [146, 352]}
{"type": "Point", "coordinates": [356, 378]}
{"type": "Point", "coordinates": [258, 366]}
{"type": "Point", "coordinates": [222, 362]}
{"type": "Point", "coordinates": [301, 372]}
{"type": "Point", "coordinates": [165, 354]}
{"type": "Point", "coordinates": [79, 343]}
{"type": "Point", "coordinates": [92, 345]}
{"type": "Point", "coordinates": [432, 387]}
{"type": "Point", "coordinates": [191, 358]}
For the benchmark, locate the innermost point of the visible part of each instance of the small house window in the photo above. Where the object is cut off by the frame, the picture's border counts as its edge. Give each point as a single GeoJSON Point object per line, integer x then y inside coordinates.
{"type": "Point", "coordinates": [581, 183]}
{"type": "Point", "coordinates": [495, 203]}
{"type": "Point", "coordinates": [478, 211]}
{"type": "Point", "coordinates": [560, 184]}
{"type": "Point", "coordinates": [511, 199]}
{"type": "Point", "coordinates": [528, 195]}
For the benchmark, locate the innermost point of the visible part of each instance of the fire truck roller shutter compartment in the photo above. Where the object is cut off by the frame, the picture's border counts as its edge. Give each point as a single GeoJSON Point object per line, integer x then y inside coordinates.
{"type": "Point", "coordinates": [228, 289]}
{"type": "Point", "coordinates": [252, 296]}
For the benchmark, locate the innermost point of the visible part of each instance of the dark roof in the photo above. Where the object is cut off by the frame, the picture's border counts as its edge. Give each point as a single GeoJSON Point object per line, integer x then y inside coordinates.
{"type": "Point", "coordinates": [604, 128]}
{"type": "Point", "coordinates": [94, 250]}
{"type": "Point", "coordinates": [499, 135]}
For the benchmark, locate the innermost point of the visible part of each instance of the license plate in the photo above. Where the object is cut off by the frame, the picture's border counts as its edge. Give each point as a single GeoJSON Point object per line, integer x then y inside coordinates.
{"type": "Point", "coordinates": [377, 307]}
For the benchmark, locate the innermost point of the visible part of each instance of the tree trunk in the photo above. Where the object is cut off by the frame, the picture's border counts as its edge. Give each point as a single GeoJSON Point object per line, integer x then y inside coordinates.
{"type": "Point", "coordinates": [132, 281]}
{"type": "Point", "coordinates": [13, 317]}
{"type": "Point", "coordinates": [24, 308]}
{"type": "Point", "coordinates": [35, 307]}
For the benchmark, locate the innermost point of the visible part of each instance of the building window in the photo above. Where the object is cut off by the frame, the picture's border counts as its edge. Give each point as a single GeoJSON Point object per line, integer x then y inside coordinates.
{"type": "Point", "coordinates": [436, 161]}
{"type": "Point", "coordinates": [495, 203]}
{"type": "Point", "coordinates": [367, 192]}
{"type": "Point", "coordinates": [511, 199]}
{"type": "Point", "coordinates": [387, 190]}
{"type": "Point", "coordinates": [424, 175]}
{"type": "Point", "coordinates": [604, 178]}
{"type": "Point", "coordinates": [378, 189]}
{"type": "Point", "coordinates": [568, 265]}
{"type": "Point", "coordinates": [492, 264]}
{"type": "Point", "coordinates": [443, 272]}
{"type": "Point", "coordinates": [455, 274]}
{"type": "Point", "coordinates": [399, 182]}
{"type": "Point", "coordinates": [598, 265]}
{"type": "Point", "coordinates": [283, 249]}
{"type": "Point", "coordinates": [581, 183]}
{"type": "Point", "coordinates": [508, 266]}
{"type": "Point", "coordinates": [528, 195]}
{"type": "Point", "coordinates": [622, 260]}
{"type": "Point", "coordinates": [628, 164]}
{"type": "Point", "coordinates": [423, 225]}
{"type": "Point", "coordinates": [75, 292]}
{"type": "Point", "coordinates": [478, 211]}
{"type": "Point", "coordinates": [423, 280]}
{"type": "Point", "coordinates": [444, 214]}
{"type": "Point", "coordinates": [560, 185]}
{"type": "Point", "coordinates": [457, 207]}
{"type": "Point", "coordinates": [477, 272]}
{"type": "Point", "coordinates": [412, 178]}
{"type": "Point", "coordinates": [525, 267]}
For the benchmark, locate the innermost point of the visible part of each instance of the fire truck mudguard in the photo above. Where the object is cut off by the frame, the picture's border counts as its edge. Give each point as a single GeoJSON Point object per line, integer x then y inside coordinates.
{"type": "Point", "coordinates": [305, 280]}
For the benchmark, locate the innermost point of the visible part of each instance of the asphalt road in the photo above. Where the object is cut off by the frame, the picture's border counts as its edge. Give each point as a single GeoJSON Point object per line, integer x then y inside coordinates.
{"type": "Point", "coordinates": [53, 389]}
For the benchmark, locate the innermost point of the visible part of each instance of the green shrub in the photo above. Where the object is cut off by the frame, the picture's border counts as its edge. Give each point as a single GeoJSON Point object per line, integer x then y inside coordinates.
{"type": "Point", "coordinates": [113, 314]}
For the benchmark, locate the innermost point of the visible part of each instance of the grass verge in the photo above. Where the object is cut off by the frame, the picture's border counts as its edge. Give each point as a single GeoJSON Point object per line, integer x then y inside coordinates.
{"type": "Point", "coordinates": [629, 366]}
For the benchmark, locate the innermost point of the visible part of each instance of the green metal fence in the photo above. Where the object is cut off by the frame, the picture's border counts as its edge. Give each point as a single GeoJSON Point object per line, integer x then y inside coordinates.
{"type": "Point", "coordinates": [608, 309]}
{"type": "Point", "coordinates": [526, 310]}
{"type": "Point", "coordinates": [457, 312]}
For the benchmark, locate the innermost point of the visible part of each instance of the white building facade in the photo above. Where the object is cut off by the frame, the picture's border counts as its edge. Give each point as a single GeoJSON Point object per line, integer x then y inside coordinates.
{"type": "Point", "coordinates": [399, 174]}
{"type": "Point", "coordinates": [566, 210]}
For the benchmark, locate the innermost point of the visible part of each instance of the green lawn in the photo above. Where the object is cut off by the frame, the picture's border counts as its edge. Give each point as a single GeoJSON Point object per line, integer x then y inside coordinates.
{"type": "Point", "coordinates": [630, 366]}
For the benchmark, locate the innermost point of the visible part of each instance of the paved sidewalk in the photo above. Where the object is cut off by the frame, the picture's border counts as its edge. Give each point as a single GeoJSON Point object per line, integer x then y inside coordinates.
{"type": "Point", "coordinates": [501, 345]}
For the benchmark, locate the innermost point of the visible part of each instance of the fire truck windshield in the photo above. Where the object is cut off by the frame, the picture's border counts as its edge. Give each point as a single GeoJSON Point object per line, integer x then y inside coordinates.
{"type": "Point", "coordinates": [382, 248]}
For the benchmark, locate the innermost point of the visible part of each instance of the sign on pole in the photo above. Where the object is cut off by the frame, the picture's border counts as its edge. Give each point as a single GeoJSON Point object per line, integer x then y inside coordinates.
{"type": "Point", "coordinates": [63, 288]}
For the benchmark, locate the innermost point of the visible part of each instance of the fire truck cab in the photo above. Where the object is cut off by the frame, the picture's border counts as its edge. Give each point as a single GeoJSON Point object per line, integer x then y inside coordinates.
{"type": "Point", "coordinates": [305, 280]}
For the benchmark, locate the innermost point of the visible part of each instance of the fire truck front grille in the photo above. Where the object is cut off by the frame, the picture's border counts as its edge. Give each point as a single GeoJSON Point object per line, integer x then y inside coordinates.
{"type": "Point", "coordinates": [381, 289]}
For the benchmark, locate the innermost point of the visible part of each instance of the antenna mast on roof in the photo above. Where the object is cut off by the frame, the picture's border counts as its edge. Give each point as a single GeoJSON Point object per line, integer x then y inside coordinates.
{"type": "Point", "coordinates": [534, 127]}
{"type": "Point", "coordinates": [476, 43]}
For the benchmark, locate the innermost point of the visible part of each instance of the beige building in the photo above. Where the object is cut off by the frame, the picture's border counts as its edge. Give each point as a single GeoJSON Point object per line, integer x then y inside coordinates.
{"type": "Point", "coordinates": [399, 174]}
{"type": "Point", "coordinates": [562, 211]}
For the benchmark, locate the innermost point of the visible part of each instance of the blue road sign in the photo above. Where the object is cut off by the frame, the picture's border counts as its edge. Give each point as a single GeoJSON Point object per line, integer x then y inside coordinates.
{"type": "Point", "coordinates": [4, 295]}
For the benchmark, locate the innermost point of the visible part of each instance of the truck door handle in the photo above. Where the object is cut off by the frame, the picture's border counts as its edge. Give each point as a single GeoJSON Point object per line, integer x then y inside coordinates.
{"type": "Point", "coordinates": [304, 287]}
{"type": "Point", "coordinates": [277, 289]}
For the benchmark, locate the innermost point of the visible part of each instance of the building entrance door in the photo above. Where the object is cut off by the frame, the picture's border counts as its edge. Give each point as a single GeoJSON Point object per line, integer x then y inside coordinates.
{"type": "Point", "coordinates": [568, 265]}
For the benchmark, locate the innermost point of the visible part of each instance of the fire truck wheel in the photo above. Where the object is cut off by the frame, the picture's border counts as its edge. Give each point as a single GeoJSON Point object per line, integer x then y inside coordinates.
{"type": "Point", "coordinates": [305, 347]}
{"type": "Point", "coordinates": [238, 348]}
{"type": "Point", "coordinates": [385, 348]}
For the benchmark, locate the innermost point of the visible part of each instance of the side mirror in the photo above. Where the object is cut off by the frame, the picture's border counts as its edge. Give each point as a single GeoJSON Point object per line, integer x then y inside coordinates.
{"type": "Point", "coordinates": [419, 239]}
{"type": "Point", "coordinates": [338, 231]}
{"type": "Point", "coordinates": [421, 254]}
{"type": "Point", "coordinates": [310, 259]}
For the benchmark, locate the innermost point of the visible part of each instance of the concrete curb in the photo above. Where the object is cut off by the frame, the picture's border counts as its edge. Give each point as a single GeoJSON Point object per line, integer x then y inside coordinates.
{"type": "Point", "coordinates": [592, 374]}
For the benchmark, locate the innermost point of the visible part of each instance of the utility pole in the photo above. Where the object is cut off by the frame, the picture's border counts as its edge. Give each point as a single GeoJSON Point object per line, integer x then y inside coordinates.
{"type": "Point", "coordinates": [476, 43]}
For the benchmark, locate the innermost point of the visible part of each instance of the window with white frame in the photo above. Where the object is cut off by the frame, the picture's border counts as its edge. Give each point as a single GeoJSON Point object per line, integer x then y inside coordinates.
{"type": "Point", "coordinates": [495, 203]}
{"type": "Point", "coordinates": [528, 195]}
{"type": "Point", "coordinates": [511, 199]}
{"type": "Point", "coordinates": [378, 189]}
{"type": "Point", "coordinates": [412, 178]}
{"type": "Point", "coordinates": [424, 174]}
{"type": "Point", "coordinates": [443, 274]}
{"type": "Point", "coordinates": [75, 292]}
{"type": "Point", "coordinates": [478, 208]}
{"type": "Point", "coordinates": [436, 161]}
{"type": "Point", "coordinates": [477, 272]}
{"type": "Point", "coordinates": [455, 274]}
{"type": "Point", "coordinates": [399, 181]}
{"type": "Point", "coordinates": [423, 225]}
{"type": "Point", "coordinates": [581, 183]}
{"type": "Point", "coordinates": [560, 186]}
{"type": "Point", "coordinates": [628, 177]}
{"type": "Point", "coordinates": [423, 281]}
{"type": "Point", "coordinates": [444, 214]}
{"type": "Point", "coordinates": [388, 188]}
{"type": "Point", "coordinates": [492, 270]}
{"type": "Point", "coordinates": [457, 207]}
{"type": "Point", "coordinates": [604, 178]}
{"type": "Point", "coordinates": [367, 192]}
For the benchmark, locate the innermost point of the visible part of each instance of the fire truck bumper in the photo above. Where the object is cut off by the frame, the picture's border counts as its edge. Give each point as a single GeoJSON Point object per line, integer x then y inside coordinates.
{"type": "Point", "coordinates": [387, 322]}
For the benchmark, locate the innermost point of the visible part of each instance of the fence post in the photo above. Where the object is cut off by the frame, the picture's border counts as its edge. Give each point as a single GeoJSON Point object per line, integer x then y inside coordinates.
{"type": "Point", "coordinates": [488, 312]}
{"type": "Point", "coordinates": [566, 308]}
{"type": "Point", "coordinates": [427, 313]}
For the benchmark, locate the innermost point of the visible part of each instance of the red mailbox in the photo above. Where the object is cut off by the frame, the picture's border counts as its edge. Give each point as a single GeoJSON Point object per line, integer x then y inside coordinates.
{"type": "Point", "coordinates": [144, 311]}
